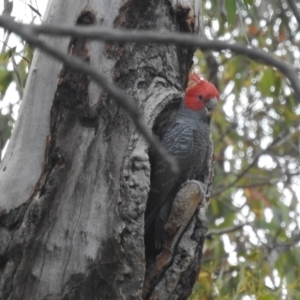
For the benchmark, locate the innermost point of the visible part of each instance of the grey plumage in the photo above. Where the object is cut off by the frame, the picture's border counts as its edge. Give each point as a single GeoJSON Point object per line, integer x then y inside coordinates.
{"type": "Point", "coordinates": [187, 139]}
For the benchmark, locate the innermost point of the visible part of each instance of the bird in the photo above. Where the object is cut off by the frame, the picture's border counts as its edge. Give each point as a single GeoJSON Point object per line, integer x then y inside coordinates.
{"type": "Point", "coordinates": [187, 139]}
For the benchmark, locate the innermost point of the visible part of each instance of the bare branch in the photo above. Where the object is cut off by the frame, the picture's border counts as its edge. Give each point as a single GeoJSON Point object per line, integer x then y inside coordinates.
{"type": "Point", "coordinates": [139, 37]}
{"type": "Point", "coordinates": [76, 64]}
{"type": "Point", "coordinates": [212, 232]}
{"type": "Point", "coordinates": [185, 39]}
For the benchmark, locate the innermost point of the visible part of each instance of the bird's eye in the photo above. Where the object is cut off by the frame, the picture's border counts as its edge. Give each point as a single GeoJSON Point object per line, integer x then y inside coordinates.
{"type": "Point", "coordinates": [200, 97]}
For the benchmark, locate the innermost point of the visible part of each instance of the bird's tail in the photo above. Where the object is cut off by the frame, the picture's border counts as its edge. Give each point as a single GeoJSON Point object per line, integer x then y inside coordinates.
{"type": "Point", "coordinates": [149, 220]}
{"type": "Point", "coordinates": [158, 233]}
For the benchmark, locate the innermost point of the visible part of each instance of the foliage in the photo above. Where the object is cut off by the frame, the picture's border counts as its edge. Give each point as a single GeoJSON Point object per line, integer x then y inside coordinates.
{"type": "Point", "coordinates": [253, 239]}
{"type": "Point", "coordinates": [14, 67]}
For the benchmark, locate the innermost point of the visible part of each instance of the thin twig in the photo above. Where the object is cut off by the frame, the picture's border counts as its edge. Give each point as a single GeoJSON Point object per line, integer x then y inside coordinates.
{"type": "Point", "coordinates": [212, 232]}
{"type": "Point", "coordinates": [186, 39]}
{"type": "Point", "coordinates": [76, 64]}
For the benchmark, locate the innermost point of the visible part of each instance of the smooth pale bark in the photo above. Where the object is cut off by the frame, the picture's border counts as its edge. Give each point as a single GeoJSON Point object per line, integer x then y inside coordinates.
{"type": "Point", "coordinates": [76, 175]}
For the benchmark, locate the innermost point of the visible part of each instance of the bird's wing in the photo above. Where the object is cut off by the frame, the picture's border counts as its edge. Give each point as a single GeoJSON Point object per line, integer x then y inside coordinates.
{"type": "Point", "coordinates": [178, 141]}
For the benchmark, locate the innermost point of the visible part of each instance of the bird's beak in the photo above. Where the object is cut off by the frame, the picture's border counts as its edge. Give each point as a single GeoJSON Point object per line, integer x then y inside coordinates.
{"type": "Point", "coordinates": [211, 104]}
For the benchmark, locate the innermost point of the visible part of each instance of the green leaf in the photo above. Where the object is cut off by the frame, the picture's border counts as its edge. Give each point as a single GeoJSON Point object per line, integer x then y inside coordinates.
{"type": "Point", "coordinates": [6, 78]}
{"type": "Point", "coordinates": [6, 122]}
{"type": "Point", "coordinates": [17, 71]}
{"type": "Point", "coordinates": [267, 80]}
{"type": "Point", "coordinates": [277, 85]}
{"type": "Point", "coordinates": [248, 2]}
{"type": "Point", "coordinates": [231, 11]}
{"type": "Point", "coordinates": [10, 52]}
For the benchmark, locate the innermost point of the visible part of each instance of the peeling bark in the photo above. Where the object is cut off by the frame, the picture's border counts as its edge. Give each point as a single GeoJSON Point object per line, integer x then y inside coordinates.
{"type": "Point", "coordinates": [75, 179]}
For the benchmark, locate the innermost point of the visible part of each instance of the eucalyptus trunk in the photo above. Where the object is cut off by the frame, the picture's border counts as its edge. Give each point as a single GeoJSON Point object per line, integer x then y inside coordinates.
{"type": "Point", "coordinates": [75, 178]}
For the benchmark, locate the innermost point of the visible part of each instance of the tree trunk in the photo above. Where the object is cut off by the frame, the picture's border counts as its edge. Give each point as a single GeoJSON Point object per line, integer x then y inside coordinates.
{"type": "Point", "coordinates": [75, 178]}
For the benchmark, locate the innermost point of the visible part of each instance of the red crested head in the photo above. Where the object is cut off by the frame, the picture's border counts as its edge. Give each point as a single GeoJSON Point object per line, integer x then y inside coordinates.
{"type": "Point", "coordinates": [200, 93]}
